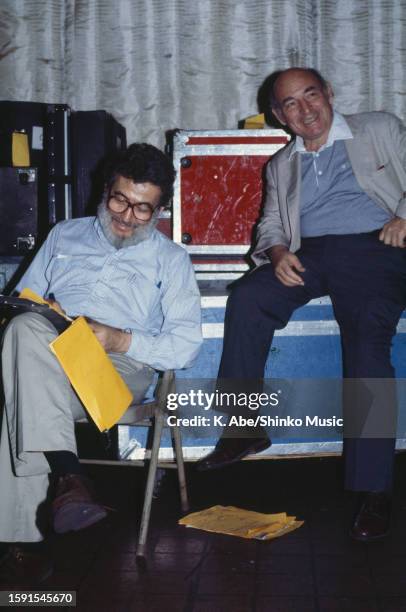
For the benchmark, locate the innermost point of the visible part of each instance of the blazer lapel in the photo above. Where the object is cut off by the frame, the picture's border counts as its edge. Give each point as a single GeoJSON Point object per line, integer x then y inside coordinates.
{"type": "Point", "coordinates": [359, 149]}
{"type": "Point", "coordinates": [294, 179]}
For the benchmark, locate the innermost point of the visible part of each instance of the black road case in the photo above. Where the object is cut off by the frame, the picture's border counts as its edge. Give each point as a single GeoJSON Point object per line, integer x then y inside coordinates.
{"type": "Point", "coordinates": [94, 135]}
{"type": "Point", "coordinates": [47, 127]}
{"type": "Point", "coordinates": [18, 210]}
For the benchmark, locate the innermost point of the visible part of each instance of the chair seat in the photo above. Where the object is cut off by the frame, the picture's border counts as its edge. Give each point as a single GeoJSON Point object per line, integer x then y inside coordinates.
{"type": "Point", "coordinates": [136, 414]}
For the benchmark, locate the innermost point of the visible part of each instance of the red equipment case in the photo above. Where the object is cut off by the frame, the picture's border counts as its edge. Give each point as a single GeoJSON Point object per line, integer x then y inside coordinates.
{"type": "Point", "coordinates": [219, 191]}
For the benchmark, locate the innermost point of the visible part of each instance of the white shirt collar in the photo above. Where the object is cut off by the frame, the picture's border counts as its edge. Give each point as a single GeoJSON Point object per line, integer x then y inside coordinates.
{"type": "Point", "coordinates": [340, 130]}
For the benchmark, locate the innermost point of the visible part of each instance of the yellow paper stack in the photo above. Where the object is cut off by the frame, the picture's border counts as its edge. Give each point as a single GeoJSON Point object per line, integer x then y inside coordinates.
{"type": "Point", "coordinates": [242, 523]}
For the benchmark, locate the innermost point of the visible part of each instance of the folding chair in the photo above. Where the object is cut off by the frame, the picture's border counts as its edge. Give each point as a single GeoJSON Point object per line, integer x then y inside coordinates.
{"type": "Point", "coordinates": [153, 414]}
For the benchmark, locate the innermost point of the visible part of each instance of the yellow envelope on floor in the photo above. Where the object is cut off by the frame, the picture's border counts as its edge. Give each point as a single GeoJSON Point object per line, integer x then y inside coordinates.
{"type": "Point", "coordinates": [242, 523]}
{"type": "Point", "coordinates": [92, 374]}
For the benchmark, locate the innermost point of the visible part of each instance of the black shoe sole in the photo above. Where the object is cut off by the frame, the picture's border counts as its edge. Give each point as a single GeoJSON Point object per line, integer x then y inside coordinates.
{"type": "Point", "coordinates": [200, 467]}
{"type": "Point", "coordinates": [369, 538]}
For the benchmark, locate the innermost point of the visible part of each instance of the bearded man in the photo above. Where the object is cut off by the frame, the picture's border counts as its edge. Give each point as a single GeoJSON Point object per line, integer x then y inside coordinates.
{"type": "Point", "coordinates": [139, 294]}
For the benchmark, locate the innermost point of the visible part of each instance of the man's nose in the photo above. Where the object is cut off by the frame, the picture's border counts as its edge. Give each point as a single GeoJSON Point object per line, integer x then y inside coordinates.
{"type": "Point", "coordinates": [305, 107]}
{"type": "Point", "coordinates": [127, 215]}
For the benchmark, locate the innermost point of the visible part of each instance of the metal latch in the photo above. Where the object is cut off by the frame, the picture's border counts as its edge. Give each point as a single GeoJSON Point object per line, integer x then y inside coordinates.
{"type": "Point", "coordinates": [26, 175]}
{"type": "Point", "coordinates": [25, 243]}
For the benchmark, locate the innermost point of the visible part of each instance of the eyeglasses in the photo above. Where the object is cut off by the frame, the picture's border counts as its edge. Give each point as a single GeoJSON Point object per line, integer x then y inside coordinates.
{"type": "Point", "coordinates": [118, 203]}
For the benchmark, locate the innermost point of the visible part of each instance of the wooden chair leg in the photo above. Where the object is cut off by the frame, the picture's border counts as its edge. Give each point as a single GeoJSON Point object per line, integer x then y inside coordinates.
{"type": "Point", "coordinates": [177, 440]}
{"type": "Point", "coordinates": [146, 511]}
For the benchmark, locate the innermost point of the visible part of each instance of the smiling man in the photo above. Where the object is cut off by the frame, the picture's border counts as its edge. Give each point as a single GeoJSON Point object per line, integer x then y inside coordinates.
{"type": "Point", "coordinates": [334, 223]}
{"type": "Point", "coordinates": [138, 291]}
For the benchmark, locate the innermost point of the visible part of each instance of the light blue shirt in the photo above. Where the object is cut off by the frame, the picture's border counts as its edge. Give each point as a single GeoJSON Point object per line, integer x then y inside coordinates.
{"type": "Point", "coordinates": [332, 202]}
{"type": "Point", "coordinates": [148, 289]}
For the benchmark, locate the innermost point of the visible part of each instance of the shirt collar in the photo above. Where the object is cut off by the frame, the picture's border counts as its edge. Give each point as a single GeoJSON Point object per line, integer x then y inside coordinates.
{"type": "Point", "coordinates": [340, 130]}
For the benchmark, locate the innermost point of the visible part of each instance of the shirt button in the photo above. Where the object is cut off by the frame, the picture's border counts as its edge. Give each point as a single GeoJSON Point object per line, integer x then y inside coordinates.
{"type": "Point", "coordinates": [320, 172]}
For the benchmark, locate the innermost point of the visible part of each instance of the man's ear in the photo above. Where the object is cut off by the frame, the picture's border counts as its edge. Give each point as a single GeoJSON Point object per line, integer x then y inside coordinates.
{"type": "Point", "coordinates": [279, 115]}
{"type": "Point", "coordinates": [330, 93]}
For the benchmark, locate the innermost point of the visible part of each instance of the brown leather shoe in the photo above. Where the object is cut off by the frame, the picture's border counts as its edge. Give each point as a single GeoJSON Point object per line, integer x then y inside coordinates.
{"type": "Point", "coordinates": [231, 450]}
{"type": "Point", "coordinates": [19, 566]}
{"type": "Point", "coordinates": [74, 506]}
{"type": "Point", "coordinates": [372, 520]}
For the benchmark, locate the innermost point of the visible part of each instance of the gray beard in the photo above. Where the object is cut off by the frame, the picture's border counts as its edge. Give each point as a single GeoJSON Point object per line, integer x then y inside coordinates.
{"type": "Point", "coordinates": [141, 232]}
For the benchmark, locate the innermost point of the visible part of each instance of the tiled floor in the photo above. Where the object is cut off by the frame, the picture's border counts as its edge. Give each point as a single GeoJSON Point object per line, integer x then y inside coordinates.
{"type": "Point", "coordinates": [316, 568]}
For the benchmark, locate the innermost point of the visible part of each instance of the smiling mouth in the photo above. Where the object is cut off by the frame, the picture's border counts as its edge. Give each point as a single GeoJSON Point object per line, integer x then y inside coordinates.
{"type": "Point", "coordinates": [123, 225]}
{"type": "Point", "coordinates": [310, 121]}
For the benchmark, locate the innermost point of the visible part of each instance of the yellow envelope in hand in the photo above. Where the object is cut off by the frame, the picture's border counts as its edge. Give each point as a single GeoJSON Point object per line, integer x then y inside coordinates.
{"type": "Point", "coordinates": [92, 374]}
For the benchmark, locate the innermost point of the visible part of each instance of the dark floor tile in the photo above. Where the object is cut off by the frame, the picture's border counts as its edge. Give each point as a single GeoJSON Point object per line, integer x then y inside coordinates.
{"type": "Point", "coordinates": [156, 603]}
{"type": "Point", "coordinates": [172, 562]}
{"type": "Point", "coordinates": [115, 587]}
{"type": "Point", "coordinates": [285, 564]}
{"type": "Point", "coordinates": [66, 581]}
{"type": "Point", "coordinates": [340, 563]}
{"type": "Point", "coordinates": [383, 563]}
{"type": "Point", "coordinates": [284, 584]}
{"type": "Point", "coordinates": [242, 603]}
{"type": "Point", "coordinates": [345, 604]}
{"type": "Point", "coordinates": [232, 545]}
{"type": "Point", "coordinates": [285, 545]}
{"type": "Point", "coordinates": [180, 531]}
{"type": "Point", "coordinates": [115, 563]}
{"type": "Point", "coordinates": [122, 586]}
{"type": "Point", "coordinates": [103, 605]}
{"type": "Point", "coordinates": [285, 604]}
{"type": "Point", "coordinates": [391, 545]}
{"type": "Point", "coordinates": [226, 583]}
{"type": "Point", "coordinates": [393, 584]}
{"type": "Point", "coordinates": [393, 604]}
{"type": "Point", "coordinates": [333, 529]}
{"type": "Point", "coordinates": [155, 562]}
{"type": "Point", "coordinates": [339, 546]}
{"type": "Point", "coordinates": [345, 584]}
{"type": "Point", "coordinates": [180, 546]}
{"type": "Point", "coordinates": [228, 562]}
{"type": "Point", "coordinates": [165, 583]}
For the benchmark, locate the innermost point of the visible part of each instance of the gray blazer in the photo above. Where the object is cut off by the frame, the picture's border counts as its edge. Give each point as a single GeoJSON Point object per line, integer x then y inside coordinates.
{"type": "Point", "coordinates": [378, 157]}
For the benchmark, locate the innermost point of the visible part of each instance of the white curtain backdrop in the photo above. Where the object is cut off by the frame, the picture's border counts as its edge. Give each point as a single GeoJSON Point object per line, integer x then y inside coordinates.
{"type": "Point", "coordinates": [197, 64]}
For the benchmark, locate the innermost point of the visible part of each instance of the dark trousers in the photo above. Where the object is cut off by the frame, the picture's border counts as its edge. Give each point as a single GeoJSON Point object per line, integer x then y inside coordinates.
{"type": "Point", "coordinates": [366, 281]}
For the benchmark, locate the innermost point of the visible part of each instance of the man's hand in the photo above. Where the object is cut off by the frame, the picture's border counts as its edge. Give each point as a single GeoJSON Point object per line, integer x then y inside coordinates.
{"type": "Point", "coordinates": [394, 233]}
{"type": "Point", "coordinates": [55, 304]}
{"type": "Point", "coordinates": [286, 266]}
{"type": "Point", "coordinates": [112, 339]}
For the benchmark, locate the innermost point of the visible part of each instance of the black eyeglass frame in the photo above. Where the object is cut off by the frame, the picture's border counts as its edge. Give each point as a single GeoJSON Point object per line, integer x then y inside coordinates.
{"type": "Point", "coordinates": [136, 206]}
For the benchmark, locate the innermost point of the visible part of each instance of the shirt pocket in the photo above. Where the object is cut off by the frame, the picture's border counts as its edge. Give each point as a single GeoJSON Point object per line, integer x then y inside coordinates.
{"type": "Point", "coordinates": [145, 295]}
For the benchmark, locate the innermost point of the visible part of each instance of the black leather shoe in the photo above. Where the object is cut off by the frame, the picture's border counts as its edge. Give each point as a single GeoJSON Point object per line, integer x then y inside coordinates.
{"type": "Point", "coordinates": [373, 518]}
{"type": "Point", "coordinates": [74, 506]}
{"type": "Point", "coordinates": [231, 450]}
